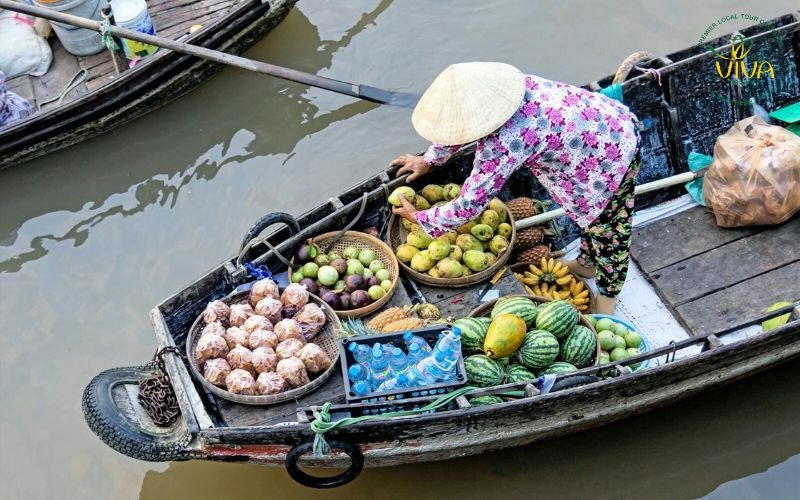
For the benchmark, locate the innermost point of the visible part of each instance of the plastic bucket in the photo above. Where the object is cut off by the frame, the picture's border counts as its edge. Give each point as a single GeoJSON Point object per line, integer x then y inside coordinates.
{"type": "Point", "coordinates": [77, 41]}
{"type": "Point", "coordinates": [132, 14]}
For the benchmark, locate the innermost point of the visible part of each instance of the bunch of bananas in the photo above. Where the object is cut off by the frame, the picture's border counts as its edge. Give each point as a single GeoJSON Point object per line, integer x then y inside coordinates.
{"type": "Point", "coordinates": [552, 279]}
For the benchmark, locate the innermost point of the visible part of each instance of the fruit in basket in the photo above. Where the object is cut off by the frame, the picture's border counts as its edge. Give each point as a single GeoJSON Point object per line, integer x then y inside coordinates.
{"type": "Point", "coordinates": [619, 329]}
{"type": "Point", "coordinates": [404, 191]}
{"type": "Point", "coordinates": [322, 260]}
{"type": "Point", "coordinates": [422, 262]}
{"type": "Point", "coordinates": [604, 324]}
{"type": "Point", "coordinates": [466, 228]}
{"type": "Point", "coordinates": [241, 382]}
{"type": "Point", "coordinates": [376, 292]}
{"type": "Point", "coordinates": [539, 349]}
{"type": "Point", "coordinates": [310, 285]}
{"type": "Point", "coordinates": [217, 311]}
{"type": "Point", "coordinates": [475, 260]}
{"type": "Point", "coordinates": [504, 229]}
{"type": "Point", "coordinates": [332, 299]}
{"type": "Point", "coordinates": [491, 258]}
{"type": "Point", "coordinates": [497, 205]}
{"type": "Point", "coordinates": [271, 383]}
{"type": "Point", "coordinates": [498, 244]}
{"type": "Point", "coordinates": [354, 282]}
{"type": "Point", "coordinates": [328, 275]}
{"type": "Point", "coordinates": [619, 354]}
{"type": "Point", "coordinates": [406, 252]}
{"type": "Point", "coordinates": [557, 317]}
{"type": "Point", "coordinates": [433, 193]}
{"type": "Point", "coordinates": [620, 342]}
{"type": "Point", "coordinates": [350, 252]}
{"type": "Point", "coordinates": [559, 368]}
{"type": "Point", "coordinates": [451, 191]}
{"type": "Point", "coordinates": [450, 236]}
{"type": "Point", "coordinates": [359, 299]}
{"type": "Point", "coordinates": [311, 319]}
{"type": "Point", "coordinates": [483, 232]}
{"type": "Point", "coordinates": [490, 218]}
{"type": "Point", "coordinates": [334, 255]}
{"type": "Point", "coordinates": [434, 273]}
{"type": "Point", "coordinates": [633, 340]}
{"type": "Point", "coordinates": [409, 226]}
{"type": "Point", "coordinates": [482, 371]}
{"type": "Point", "coordinates": [468, 242]}
{"type": "Point", "coordinates": [505, 335]}
{"type": "Point", "coordinates": [344, 300]}
{"type": "Point", "coordinates": [633, 351]}
{"type": "Point", "coordinates": [366, 257]}
{"type": "Point", "coordinates": [297, 276]}
{"type": "Point", "coordinates": [580, 347]}
{"type": "Point", "coordinates": [383, 275]}
{"type": "Point", "coordinates": [307, 251]}
{"type": "Point", "coordinates": [375, 266]}
{"type": "Point", "coordinates": [607, 340]}
{"type": "Point", "coordinates": [419, 240]}
{"type": "Point", "coordinates": [521, 307]}
{"type": "Point", "coordinates": [293, 298]}
{"type": "Point", "coordinates": [386, 285]}
{"type": "Point", "coordinates": [354, 266]}
{"type": "Point", "coordinates": [449, 268]}
{"type": "Point", "coordinates": [522, 208]}
{"type": "Point", "coordinates": [455, 252]}
{"type": "Point", "coordinates": [421, 203]}
{"type": "Point", "coordinates": [518, 373]}
{"type": "Point", "coordinates": [439, 249]}
{"type": "Point", "coordinates": [604, 358]}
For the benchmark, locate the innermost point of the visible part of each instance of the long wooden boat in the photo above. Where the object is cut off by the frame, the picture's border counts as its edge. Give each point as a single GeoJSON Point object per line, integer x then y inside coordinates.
{"type": "Point", "coordinates": [105, 99]}
{"type": "Point", "coordinates": [682, 114]}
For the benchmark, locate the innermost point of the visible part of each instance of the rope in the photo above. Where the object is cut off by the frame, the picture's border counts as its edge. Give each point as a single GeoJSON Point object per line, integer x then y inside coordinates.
{"type": "Point", "coordinates": [364, 199]}
{"type": "Point", "coordinates": [652, 71]}
{"type": "Point", "coordinates": [322, 421]}
{"type": "Point", "coordinates": [105, 33]}
{"type": "Point", "coordinates": [73, 82]}
{"type": "Point", "coordinates": [269, 245]}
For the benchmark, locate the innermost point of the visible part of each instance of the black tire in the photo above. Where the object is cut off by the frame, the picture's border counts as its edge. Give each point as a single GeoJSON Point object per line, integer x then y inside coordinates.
{"type": "Point", "coordinates": [104, 419]}
{"type": "Point", "coordinates": [570, 382]}
{"type": "Point", "coordinates": [356, 465]}
{"type": "Point", "coordinates": [268, 220]}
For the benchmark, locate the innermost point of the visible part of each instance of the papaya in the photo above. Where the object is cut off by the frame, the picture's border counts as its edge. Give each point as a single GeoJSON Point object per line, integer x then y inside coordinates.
{"type": "Point", "coordinates": [505, 335]}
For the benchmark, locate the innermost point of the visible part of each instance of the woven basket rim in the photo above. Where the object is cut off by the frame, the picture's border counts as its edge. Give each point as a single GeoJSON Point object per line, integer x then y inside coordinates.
{"type": "Point", "coordinates": [235, 298]}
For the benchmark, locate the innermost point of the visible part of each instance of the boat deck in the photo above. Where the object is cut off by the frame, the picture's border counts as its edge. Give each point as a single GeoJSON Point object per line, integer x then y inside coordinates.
{"type": "Point", "coordinates": [171, 18]}
{"type": "Point", "coordinates": [711, 277]}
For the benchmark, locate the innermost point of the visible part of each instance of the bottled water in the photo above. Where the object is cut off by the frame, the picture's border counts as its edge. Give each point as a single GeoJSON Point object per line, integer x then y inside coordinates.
{"type": "Point", "coordinates": [410, 338]}
{"type": "Point", "coordinates": [399, 382]}
{"type": "Point", "coordinates": [449, 341]}
{"type": "Point", "coordinates": [361, 353]}
{"type": "Point", "coordinates": [439, 366]}
{"type": "Point", "coordinates": [415, 354]}
{"type": "Point", "coordinates": [388, 349]}
{"type": "Point", "coordinates": [429, 370]}
{"type": "Point", "coordinates": [361, 388]}
{"type": "Point", "coordinates": [358, 373]}
{"type": "Point", "coordinates": [398, 361]}
{"type": "Point", "coordinates": [379, 366]}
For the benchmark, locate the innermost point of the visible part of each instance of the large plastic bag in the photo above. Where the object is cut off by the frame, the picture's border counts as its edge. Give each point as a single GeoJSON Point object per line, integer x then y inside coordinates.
{"type": "Point", "coordinates": [755, 176]}
{"type": "Point", "coordinates": [24, 50]}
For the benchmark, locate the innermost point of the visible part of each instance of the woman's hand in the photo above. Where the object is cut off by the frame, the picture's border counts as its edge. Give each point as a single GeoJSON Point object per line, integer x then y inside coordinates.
{"type": "Point", "coordinates": [407, 211]}
{"type": "Point", "coordinates": [416, 165]}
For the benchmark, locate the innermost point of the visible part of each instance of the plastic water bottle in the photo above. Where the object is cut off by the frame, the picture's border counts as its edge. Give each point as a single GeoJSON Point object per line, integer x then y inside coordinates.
{"type": "Point", "coordinates": [424, 372]}
{"type": "Point", "coordinates": [398, 361]}
{"type": "Point", "coordinates": [449, 341]}
{"type": "Point", "coordinates": [358, 373]}
{"type": "Point", "coordinates": [410, 338]}
{"type": "Point", "coordinates": [398, 382]}
{"type": "Point", "coordinates": [438, 367]}
{"type": "Point", "coordinates": [379, 366]}
{"type": "Point", "coordinates": [361, 353]}
{"type": "Point", "coordinates": [361, 388]}
{"type": "Point", "coordinates": [415, 354]}
{"type": "Point", "coordinates": [388, 349]}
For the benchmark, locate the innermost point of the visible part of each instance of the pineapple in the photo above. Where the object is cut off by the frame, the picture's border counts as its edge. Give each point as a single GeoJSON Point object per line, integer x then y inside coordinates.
{"type": "Point", "coordinates": [388, 316]}
{"type": "Point", "coordinates": [522, 208]}
{"type": "Point", "coordinates": [529, 238]}
{"type": "Point", "coordinates": [534, 254]}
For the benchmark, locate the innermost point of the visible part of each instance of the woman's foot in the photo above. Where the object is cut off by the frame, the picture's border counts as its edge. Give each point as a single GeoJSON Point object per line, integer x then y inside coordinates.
{"type": "Point", "coordinates": [577, 269]}
{"type": "Point", "coordinates": [605, 305]}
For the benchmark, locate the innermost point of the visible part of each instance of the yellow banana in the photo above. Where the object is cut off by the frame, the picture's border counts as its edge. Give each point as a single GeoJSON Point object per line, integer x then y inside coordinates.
{"type": "Point", "coordinates": [564, 295]}
{"type": "Point", "coordinates": [582, 307]}
{"type": "Point", "coordinates": [528, 290]}
{"type": "Point", "coordinates": [572, 285]}
{"type": "Point", "coordinates": [582, 301]}
{"type": "Point", "coordinates": [579, 288]}
{"type": "Point", "coordinates": [564, 280]}
{"type": "Point", "coordinates": [550, 264]}
{"type": "Point", "coordinates": [544, 287]}
{"type": "Point", "coordinates": [582, 294]}
{"type": "Point", "coordinates": [557, 267]}
{"type": "Point", "coordinates": [564, 271]}
{"type": "Point", "coordinates": [518, 276]}
{"type": "Point", "coordinates": [531, 281]}
{"type": "Point", "coordinates": [537, 290]}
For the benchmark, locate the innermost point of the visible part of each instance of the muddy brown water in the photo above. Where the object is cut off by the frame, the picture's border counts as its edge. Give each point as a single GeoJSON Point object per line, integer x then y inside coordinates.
{"type": "Point", "coordinates": [92, 237]}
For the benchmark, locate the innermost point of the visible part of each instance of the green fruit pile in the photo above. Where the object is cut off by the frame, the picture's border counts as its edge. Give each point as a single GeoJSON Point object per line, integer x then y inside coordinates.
{"type": "Point", "coordinates": [616, 340]}
{"type": "Point", "coordinates": [471, 248]}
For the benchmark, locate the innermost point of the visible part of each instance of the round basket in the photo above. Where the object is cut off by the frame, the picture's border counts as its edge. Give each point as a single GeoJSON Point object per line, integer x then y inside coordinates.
{"type": "Point", "coordinates": [486, 309]}
{"type": "Point", "coordinates": [326, 339]}
{"type": "Point", "coordinates": [645, 345]}
{"type": "Point", "coordinates": [396, 236]}
{"type": "Point", "coordinates": [382, 253]}
{"type": "Point", "coordinates": [521, 267]}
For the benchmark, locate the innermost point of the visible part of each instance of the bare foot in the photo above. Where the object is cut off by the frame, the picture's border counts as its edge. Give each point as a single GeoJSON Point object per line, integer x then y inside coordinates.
{"type": "Point", "coordinates": [605, 305]}
{"type": "Point", "coordinates": [579, 270]}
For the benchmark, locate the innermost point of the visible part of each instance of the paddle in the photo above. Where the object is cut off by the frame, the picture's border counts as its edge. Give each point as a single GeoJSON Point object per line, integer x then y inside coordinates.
{"type": "Point", "coordinates": [365, 92]}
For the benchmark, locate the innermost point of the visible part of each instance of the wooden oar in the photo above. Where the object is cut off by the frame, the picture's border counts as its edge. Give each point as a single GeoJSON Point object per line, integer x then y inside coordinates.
{"type": "Point", "coordinates": [359, 91]}
{"type": "Point", "coordinates": [640, 189]}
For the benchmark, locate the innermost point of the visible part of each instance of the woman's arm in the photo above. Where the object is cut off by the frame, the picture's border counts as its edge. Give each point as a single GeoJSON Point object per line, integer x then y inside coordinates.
{"type": "Point", "coordinates": [419, 166]}
{"type": "Point", "coordinates": [438, 154]}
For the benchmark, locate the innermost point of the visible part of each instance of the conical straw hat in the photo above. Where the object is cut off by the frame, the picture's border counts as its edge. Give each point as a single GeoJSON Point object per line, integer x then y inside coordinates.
{"type": "Point", "coordinates": [468, 101]}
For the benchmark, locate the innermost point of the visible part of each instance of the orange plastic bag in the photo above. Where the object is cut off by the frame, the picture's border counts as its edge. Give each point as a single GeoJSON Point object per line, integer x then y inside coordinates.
{"type": "Point", "coordinates": [755, 176]}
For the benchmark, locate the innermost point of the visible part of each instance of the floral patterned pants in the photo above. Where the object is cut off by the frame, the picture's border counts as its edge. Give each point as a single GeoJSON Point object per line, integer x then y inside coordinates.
{"type": "Point", "coordinates": [606, 242]}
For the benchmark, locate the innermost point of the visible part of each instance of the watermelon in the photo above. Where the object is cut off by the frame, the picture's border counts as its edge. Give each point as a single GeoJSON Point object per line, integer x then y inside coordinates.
{"type": "Point", "coordinates": [557, 317]}
{"type": "Point", "coordinates": [473, 333]}
{"type": "Point", "coordinates": [539, 349]}
{"type": "Point", "coordinates": [483, 371]}
{"type": "Point", "coordinates": [486, 321]}
{"type": "Point", "coordinates": [558, 368]}
{"type": "Point", "coordinates": [518, 373]}
{"type": "Point", "coordinates": [523, 307]}
{"type": "Point", "coordinates": [580, 347]}
{"type": "Point", "coordinates": [485, 400]}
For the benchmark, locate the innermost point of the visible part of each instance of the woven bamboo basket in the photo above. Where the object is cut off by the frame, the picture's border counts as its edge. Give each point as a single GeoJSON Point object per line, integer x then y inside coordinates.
{"type": "Point", "coordinates": [326, 339]}
{"type": "Point", "coordinates": [382, 253]}
{"type": "Point", "coordinates": [484, 310]}
{"type": "Point", "coordinates": [521, 267]}
{"type": "Point", "coordinates": [396, 236]}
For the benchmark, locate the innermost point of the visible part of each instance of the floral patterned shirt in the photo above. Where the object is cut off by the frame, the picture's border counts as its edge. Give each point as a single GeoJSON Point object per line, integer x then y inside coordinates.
{"type": "Point", "coordinates": [577, 143]}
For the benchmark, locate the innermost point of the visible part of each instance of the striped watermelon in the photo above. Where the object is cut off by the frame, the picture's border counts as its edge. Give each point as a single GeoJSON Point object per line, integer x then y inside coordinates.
{"type": "Point", "coordinates": [538, 350]}
{"type": "Point", "coordinates": [518, 373]}
{"type": "Point", "coordinates": [473, 333]}
{"type": "Point", "coordinates": [483, 371]}
{"type": "Point", "coordinates": [557, 317]}
{"type": "Point", "coordinates": [486, 321]}
{"type": "Point", "coordinates": [558, 368]}
{"type": "Point", "coordinates": [485, 400]}
{"type": "Point", "coordinates": [523, 307]}
{"type": "Point", "coordinates": [580, 347]}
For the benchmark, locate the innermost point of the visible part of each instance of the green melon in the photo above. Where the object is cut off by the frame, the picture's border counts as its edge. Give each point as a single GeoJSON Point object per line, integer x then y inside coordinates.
{"type": "Point", "coordinates": [485, 400]}
{"type": "Point", "coordinates": [483, 371]}
{"type": "Point", "coordinates": [580, 347]}
{"type": "Point", "coordinates": [557, 317]}
{"type": "Point", "coordinates": [523, 307]}
{"type": "Point", "coordinates": [539, 349]}
{"type": "Point", "coordinates": [518, 373]}
{"type": "Point", "coordinates": [473, 333]}
{"type": "Point", "coordinates": [559, 368]}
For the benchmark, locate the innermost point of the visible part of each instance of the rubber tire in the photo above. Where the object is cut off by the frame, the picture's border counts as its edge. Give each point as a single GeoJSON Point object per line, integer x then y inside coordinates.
{"type": "Point", "coordinates": [104, 420]}
{"type": "Point", "coordinates": [269, 220]}
{"type": "Point", "coordinates": [571, 382]}
{"type": "Point", "coordinates": [356, 465]}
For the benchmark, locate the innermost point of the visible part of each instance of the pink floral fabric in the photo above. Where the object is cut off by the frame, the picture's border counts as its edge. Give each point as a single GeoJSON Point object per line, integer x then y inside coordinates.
{"type": "Point", "coordinates": [577, 143]}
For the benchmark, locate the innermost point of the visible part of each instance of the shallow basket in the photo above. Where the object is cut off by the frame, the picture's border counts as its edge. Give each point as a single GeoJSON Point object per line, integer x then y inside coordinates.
{"type": "Point", "coordinates": [326, 339]}
{"type": "Point", "coordinates": [382, 253]}
{"type": "Point", "coordinates": [396, 236]}
{"type": "Point", "coordinates": [484, 310]}
{"type": "Point", "coordinates": [645, 345]}
{"type": "Point", "coordinates": [521, 267]}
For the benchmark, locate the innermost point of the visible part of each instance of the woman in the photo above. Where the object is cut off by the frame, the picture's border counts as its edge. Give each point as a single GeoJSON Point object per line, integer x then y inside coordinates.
{"type": "Point", "coordinates": [580, 145]}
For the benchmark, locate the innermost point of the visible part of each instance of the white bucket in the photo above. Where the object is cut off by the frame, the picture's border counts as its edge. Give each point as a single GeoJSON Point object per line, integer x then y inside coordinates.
{"type": "Point", "coordinates": [132, 14]}
{"type": "Point", "coordinates": [77, 41]}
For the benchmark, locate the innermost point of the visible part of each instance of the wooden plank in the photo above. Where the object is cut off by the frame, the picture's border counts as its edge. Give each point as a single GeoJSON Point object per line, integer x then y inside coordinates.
{"type": "Point", "coordinates": [89, 62]}
{"type": "Point", "coordinates": [734, 306]}
{"type": "Point", "coordinates": [677, 238]}
{"type": "Point", "coordinates": [179, 29]}
{"type": "Point", "coordinates": [173, 18]}
{"type": "Point", "coordinates": [729, 264]}
{"type": "Point", "coordinates": [196, 7]}
{"type": "Point", "coordinates": [52, 83]}
{"type": "Point", "coordinates": [23, 87]}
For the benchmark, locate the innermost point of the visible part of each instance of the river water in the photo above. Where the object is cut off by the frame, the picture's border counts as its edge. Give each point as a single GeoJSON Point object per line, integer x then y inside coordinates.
{"type": "Point", "coordinates": [92, 237]}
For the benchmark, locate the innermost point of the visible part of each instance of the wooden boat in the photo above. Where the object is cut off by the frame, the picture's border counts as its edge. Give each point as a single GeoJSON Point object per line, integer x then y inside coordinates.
{"type": "Point", "coordinates": [105, 99]}
{"type": "Point", "coordinates": [679, 116]}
